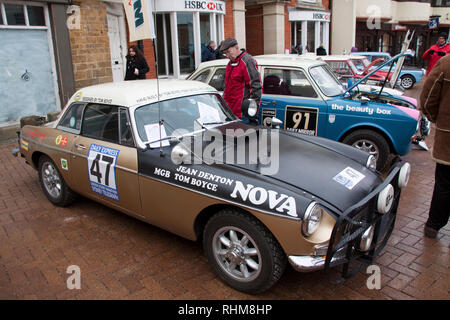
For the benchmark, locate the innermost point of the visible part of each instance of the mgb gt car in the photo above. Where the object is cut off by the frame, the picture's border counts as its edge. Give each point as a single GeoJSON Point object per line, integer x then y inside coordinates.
{"type": "Point", "coordinates": [309, 201]}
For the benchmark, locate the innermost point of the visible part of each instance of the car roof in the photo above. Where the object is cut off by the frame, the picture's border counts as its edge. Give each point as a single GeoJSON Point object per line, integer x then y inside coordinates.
{"type": "Point", "coordinates": [274, 60]}
{"type": "Point", "coordinates": [136, 92]}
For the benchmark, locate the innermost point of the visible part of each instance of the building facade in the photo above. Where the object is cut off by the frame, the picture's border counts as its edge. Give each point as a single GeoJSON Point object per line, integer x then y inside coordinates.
{"type": "Point", "coordinates": [381, 25]}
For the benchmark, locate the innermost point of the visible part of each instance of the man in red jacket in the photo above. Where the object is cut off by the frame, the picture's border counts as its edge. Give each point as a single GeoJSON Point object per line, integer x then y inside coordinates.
{"type": "Point", "coordinates": [242, 79]}
{"type": "Point", "coordinates": [437, 51]}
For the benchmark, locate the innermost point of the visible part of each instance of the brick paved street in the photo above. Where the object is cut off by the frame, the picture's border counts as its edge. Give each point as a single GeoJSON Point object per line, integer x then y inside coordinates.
{"type": "Point", "coordinates": [123, 258]}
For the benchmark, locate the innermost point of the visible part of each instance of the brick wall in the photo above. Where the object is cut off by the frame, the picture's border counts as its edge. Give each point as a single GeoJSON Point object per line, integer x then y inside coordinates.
{"type": "Point", "coordinates": [254, 32]}
{"type": "Point", "coordinates": [90, 45]}
{"type": "Point", "coordinates": [228, 20]}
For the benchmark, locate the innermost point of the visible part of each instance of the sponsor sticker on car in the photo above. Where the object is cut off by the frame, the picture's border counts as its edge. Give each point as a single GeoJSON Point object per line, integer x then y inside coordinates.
{"type": "Point", "coordinates": [102, 170]}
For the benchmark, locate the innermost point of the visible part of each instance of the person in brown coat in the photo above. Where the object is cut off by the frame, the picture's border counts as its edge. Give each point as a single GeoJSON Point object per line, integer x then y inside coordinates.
{"type": "Point", "coordinates": [435, 105]}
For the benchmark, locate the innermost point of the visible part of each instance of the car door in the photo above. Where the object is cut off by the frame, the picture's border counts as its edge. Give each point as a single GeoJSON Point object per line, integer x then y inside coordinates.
{"type": "Point", "coordinates": [105, 158]}
{"type": "Point", "coordinates": [289, 95]}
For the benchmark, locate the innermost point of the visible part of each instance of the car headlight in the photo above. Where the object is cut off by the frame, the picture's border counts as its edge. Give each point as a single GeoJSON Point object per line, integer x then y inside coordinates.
{"type": "Point", "coordinates": [312, 218]}
{"type": "Point", "coordinates": [366, 239]}
{"type": "Point", "coordinates": [403, 176]}
{"type": "Point", "coordinates": [371, 162]}
{"type": "Point", "coordinates": [385, 199]}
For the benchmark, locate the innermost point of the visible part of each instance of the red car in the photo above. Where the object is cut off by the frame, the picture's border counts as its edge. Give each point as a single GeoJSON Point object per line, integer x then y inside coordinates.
{"type": "Point", "coordinates": [347, 66]}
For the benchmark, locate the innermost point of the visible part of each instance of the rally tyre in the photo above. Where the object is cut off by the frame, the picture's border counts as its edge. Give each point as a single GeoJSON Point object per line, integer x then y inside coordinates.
{"type": "Point", "coordinates": [53, 184]}
{"type": "Point", "coordinates": [371, 142]}
{"type": "Point", "coordinates": [407, 81]}
{"type": "Point", "coordinates": [242, 252]}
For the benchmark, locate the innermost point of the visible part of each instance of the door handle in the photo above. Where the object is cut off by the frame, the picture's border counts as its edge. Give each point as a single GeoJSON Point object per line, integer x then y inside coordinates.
{"type": "Point", "coordinates": [79, 146]}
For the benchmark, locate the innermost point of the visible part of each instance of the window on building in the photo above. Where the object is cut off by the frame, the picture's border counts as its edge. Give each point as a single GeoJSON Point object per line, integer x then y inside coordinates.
{"type": "Point", "coordinates": [185, 28]}
{"type": "Point", "coordinates": [14, 14]}
{"type": "Point", "coordinates": [36, 16]}
{"type": "Point", "coordinates": [440, 3]}
{"type": "Point", "coordinates": [164, 44]}
{"type": "Point", "coordinates": [311, 36]}
{"type": "Point", "coordinates": [205, 31]}
{"type": "Point", "coordinates": [288, 83]}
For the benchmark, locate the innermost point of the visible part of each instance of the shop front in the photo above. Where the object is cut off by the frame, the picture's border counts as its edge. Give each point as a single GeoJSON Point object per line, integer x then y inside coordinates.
{"type": "Point", "coordinates": [183, 28]}
{"type": "Point", "coordinates": [310, 29]}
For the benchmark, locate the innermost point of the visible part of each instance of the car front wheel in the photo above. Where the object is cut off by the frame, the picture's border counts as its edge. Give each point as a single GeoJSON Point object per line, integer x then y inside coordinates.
{"type": "Point", "coordinates": [372, 143]}
{"type": "Point", "coordinates": [242, 252]}
{"type": "Point", "coordinates": [407, 82]}
{"type": "Point", "coordinates": [53, 184]}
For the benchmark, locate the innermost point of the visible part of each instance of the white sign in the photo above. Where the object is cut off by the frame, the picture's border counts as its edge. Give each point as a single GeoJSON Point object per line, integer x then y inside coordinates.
{"type": "Point", "coordinates": [154, 134]}
{"type": "Point", "coordinates": [309, 16]}
{"type": "Point", "coordinates": [190, 5]}
{"type": "Point", "coordinates": [349, 177]}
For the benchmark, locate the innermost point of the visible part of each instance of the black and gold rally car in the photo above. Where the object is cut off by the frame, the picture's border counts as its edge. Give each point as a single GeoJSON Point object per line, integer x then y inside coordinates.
{"type": "Point", "coordinates": [177, 158]}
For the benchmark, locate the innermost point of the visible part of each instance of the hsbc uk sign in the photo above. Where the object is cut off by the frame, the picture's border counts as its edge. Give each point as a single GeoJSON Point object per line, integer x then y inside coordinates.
{"type": "Point", "coordinates": [210, 6]}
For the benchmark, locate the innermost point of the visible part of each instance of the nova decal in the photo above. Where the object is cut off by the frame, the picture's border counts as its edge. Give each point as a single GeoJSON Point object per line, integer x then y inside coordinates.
{"type": "Point", "coordinates": [258, 196]}
{"type": "Point", "coordinates": [102, 170]}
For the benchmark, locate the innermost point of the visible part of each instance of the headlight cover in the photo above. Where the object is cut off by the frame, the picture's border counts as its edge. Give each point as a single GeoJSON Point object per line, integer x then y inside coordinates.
{"type": "Point", "coordinates": [404, 174]}
{"type": "Point", "coordinates": [385, 199]}
{"type": "Point", "coordinates": [312, 218]}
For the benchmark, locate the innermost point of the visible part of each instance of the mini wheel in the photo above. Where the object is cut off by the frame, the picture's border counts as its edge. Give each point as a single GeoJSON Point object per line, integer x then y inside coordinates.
{"type": "Point", "coordinates": [242, 252]}
{"type": "Point", "coordinates": [371, 142]}
{"type": "Point", "coordinates": [407, 81]}
{"type": "Point", "coordinates": [53, 184]}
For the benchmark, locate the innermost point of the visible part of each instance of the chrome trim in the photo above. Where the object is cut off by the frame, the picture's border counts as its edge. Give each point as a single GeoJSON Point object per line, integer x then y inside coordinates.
{"type": "Point", "coordinates": [311, 263]}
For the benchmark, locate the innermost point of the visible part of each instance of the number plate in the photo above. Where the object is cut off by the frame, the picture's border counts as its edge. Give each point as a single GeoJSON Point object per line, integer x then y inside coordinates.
{"type": "Point", "coordinates": [301, 120]}
{"type": "Point", "coordinates": [102, 170]}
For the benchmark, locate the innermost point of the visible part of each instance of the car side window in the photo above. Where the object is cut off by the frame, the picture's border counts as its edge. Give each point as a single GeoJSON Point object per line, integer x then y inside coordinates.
{"type": "Point", "coordinates": [287, 82]}
{"type": "Point", "coordinates": [218, 80]}
{"type": "Point", "coordinates": [203, 76]}
{"type": "Point", "coordinates": [71, 121]}
{"type": "Point", "coordinates": [101, 122]}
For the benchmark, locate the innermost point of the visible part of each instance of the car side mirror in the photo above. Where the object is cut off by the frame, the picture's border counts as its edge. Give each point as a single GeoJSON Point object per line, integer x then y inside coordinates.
{"type": "Point", "coordinates": [249, 108]}
{"type": "Point", "coordinates": [276, 123]}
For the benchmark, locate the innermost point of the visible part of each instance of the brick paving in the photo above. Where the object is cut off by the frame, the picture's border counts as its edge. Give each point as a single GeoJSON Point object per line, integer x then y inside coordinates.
{"type": "Point", "coordinates": [123, 258]}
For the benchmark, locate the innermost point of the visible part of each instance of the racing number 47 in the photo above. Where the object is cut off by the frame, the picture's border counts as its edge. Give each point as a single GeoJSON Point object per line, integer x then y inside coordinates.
{"type": "Point", "coordinates": [95, 167]}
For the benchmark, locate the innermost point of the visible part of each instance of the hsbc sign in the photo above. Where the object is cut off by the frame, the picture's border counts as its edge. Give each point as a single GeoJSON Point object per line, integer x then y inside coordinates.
{"type": "Point", "coordinates": [210, 6]}
{"type": "Point", "coordinates": [309, 16]}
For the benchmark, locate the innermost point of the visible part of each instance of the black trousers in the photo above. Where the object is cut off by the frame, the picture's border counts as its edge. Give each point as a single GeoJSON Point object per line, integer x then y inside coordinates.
{"type": "Point", "coordinates": [440, 204]}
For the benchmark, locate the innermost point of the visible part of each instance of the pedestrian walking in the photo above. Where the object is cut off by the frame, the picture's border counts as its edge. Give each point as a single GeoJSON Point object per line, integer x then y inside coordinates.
{"type": "Point", "coordinates": [321, 51]}
{"type": "Point", "coordinates": [137, 66]}
{"type": "Point", "coordinates": [208, 53]}
{"type": "Point", "coordinates": [242, 79]}
{"type": "Point", "coordinates": [437, 51]}
{"type": "Point", "coordinates": [434, 105]}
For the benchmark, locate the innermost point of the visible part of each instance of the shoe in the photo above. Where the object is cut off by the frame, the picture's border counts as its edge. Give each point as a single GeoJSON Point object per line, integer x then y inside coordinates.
{"type": "Point", "coordinates": [430, 232]}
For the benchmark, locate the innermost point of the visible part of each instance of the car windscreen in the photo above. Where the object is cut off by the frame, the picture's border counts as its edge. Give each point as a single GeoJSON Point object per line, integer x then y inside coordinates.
{"type": "Point", "coordinates": [181, 115]}
{"type": "Point", "coordinates": [359, 64]}
{"type": "Point", "coordinates": [327, 83]}
{"type": "Point", "coordinates": [354, 65]}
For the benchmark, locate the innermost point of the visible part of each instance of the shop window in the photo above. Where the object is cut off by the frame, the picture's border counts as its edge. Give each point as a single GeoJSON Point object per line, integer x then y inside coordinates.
{"type": "Point", "coordinates": [287, 83]}
{"type": "Point", "coordinates": [205, 33]}
{"type": "Point", "coordinates": [36, 16]}
{"type": "Point", "coordinates": [186, 41]}
{"type": "Point", "coordinates": [14, 14]}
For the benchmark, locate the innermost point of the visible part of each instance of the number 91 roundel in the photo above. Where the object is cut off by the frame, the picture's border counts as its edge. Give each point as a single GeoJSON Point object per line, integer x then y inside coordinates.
{"type": "Point", "coordinates": [102, 173]}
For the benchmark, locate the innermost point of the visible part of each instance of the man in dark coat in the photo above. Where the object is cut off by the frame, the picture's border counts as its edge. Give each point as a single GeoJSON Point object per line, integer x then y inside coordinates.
{"type": "Point", "coordinates": [208, 53]}
{"type": "Point", "coordinates": [320, 51]}
{"type": "Point", "coordinates": [435, 106]}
